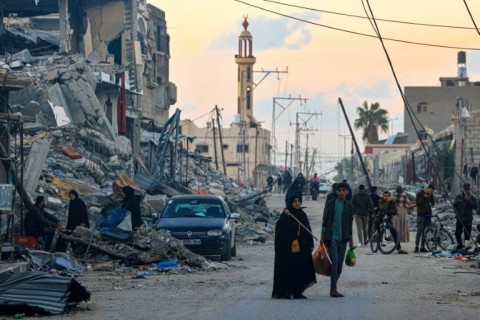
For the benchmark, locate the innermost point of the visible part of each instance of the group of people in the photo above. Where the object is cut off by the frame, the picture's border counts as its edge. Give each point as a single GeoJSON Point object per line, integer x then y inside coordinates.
{"type": "Point", "coordinates": [41, 224]}
{"type": "Point", "coordinates": [293, 269]}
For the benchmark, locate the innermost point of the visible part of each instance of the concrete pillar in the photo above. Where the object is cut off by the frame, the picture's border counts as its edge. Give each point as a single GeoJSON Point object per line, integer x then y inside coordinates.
{"type": "Point", "coordinates": [4, 135]}
{"type": "Point", "coordinates": [64, 41]}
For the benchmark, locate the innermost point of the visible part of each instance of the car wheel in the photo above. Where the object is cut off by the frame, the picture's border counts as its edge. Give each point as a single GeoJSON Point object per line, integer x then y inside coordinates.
{"type": "Point", "coordinates": [228, 254]}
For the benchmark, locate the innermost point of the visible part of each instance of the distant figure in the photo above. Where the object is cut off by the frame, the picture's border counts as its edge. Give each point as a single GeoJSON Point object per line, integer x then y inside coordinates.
{"type": "Point", "coordinates": [279, 183]}
{"type": "Point", "coordinates": [315, 185]}
{"type": "Point", "coordinates": [39, 223]}
{"type": "Point", "coordinates": [363, 207]}
{"type": "Point", "coordinates": [465, 204]}
{"type": "Point", "coordinates": [424, 201]}
{"type": "Point", "coordinates": [287, 180]}
{"type": "Point", "coordinates": [132, 203]}
{"type": "Point", "coordinates": [375, 200]}
{"type": "Point", "coordinates": [400, 220]}
{"type": "Point", "coordinates": [269, 183]}
{"type": "Point", "coordinates": [301, 180]}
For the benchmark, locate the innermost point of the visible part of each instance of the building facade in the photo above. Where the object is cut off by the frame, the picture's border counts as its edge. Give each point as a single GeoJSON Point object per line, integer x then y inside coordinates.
{"type": "Point", "coordinates": [436, 106]}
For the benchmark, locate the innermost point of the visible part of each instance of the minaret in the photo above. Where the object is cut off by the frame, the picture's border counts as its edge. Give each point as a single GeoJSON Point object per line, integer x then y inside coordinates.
{"type": "Point", "coordinates": [245, 61]}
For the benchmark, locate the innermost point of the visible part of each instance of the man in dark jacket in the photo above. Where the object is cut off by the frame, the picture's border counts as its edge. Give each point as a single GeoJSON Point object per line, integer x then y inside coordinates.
{"type": "Point", "coordinates": [424, 201]}
{"type": "Point", "coordinates": [464, 205]}
{"type": "Point", "coordinates": [336, 232]}
{"type": "Point", "coordinates": [39, 223]}
{"type": "Point", "coordinates": [363, 206]}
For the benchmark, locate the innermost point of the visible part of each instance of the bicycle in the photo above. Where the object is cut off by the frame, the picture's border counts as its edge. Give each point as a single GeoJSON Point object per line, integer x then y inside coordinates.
{"type": "Point", "coordinates": [437, 235]}
{"type": "Point", "coordinates": [386, 239]}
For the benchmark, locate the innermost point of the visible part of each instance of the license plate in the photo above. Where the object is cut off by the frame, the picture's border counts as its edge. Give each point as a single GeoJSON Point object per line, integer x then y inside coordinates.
{"type": "Point", "coordinates": [191, 241]}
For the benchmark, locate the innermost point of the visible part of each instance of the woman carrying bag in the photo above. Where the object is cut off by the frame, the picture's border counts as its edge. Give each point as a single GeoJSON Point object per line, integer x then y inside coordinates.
{"type": "Point", "coordinates": [293, 268]}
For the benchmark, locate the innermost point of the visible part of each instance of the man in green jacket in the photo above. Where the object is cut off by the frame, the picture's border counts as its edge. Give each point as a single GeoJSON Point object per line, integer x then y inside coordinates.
{"type": "Point", "coordinates": [336, 232]}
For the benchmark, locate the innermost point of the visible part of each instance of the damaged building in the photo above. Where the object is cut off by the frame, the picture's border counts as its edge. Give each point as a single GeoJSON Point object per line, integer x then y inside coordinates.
{"type": "Point", "coordinates": [103, 64]}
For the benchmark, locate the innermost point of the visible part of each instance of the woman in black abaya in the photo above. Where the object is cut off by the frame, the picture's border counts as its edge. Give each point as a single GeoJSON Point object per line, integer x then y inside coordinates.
{"type": "Point", "coordinates": [293, 272]}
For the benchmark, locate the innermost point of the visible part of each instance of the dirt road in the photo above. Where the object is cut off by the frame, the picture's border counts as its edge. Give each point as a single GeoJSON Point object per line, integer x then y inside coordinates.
{"type": "Point", "coordinates": [380, 286]}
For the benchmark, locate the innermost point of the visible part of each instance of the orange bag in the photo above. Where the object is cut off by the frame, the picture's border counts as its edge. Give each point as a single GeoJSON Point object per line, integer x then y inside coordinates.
{"type": "Point", "coordinates": [321, 261]}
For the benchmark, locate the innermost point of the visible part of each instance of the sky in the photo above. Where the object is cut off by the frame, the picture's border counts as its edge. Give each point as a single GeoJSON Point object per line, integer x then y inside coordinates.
{"type": "Point", "coordinates": [323, 64]}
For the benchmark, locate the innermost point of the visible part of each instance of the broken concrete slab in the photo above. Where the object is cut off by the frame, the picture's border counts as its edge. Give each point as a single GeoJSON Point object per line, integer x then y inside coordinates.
{"type": "Point", "coordinates": [35, 162]}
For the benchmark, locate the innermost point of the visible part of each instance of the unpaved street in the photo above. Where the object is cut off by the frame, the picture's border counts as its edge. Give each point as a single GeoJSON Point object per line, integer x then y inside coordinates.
{"type": "Point", "coordinates": [379, 287]}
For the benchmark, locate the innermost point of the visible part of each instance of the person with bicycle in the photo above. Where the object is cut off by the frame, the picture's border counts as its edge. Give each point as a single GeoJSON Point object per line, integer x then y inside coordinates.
{"type": "Point", "coordinates": [337, 232]}
{"type": "Point", "coordinates": [386, 206]}
{"type": "Point", "coordinates": [465, 203]}
{"type": "Point", "coordinates": [424, 201]}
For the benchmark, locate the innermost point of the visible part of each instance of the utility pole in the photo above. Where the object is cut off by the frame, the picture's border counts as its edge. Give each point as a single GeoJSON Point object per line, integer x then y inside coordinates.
{"type": "Point", "coordinates": [356, 145]}
{"type": "Point", "coordinates": [275, 117]}
{"type": "Point", "coordinates": [215, 144]}
{"type": "Point", "coordinates": [255, 178]}
{"type": "Point", "coordinates": [298, 127]}
{"type": "Point", "coordinates": [220, 126]}
{"type": "Point", "coordinates": [286, 154]}
{"type": "Point", "coordinates": [306, 157]}
{"type": "Point", "coordinates": [291, 156]}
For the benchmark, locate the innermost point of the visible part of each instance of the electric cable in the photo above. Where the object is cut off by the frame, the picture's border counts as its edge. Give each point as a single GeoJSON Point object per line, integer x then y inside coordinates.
{"type": "Point", "coordinates": [355, 32]}
{"type": "Point", "coordinates": [366, 17]}
{"type": "Point", "coordinates": [471, 16]}
{"type": "Point", "coordinates": [410, 111]}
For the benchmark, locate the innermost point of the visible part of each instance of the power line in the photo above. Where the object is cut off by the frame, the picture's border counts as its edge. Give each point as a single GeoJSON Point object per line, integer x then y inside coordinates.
{"type": "Point", "coordinates": [366, 17]}
{"type": "Point", "coordinates": [354, 32]}
{"type": "Point", "coordinates": [410, 112]}
{"type": "Point", "coordinates": [471, 16]}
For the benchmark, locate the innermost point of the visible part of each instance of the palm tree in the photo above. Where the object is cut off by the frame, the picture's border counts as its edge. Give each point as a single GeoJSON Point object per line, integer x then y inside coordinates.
{"type": "Point", "coordinates": [370, 120]}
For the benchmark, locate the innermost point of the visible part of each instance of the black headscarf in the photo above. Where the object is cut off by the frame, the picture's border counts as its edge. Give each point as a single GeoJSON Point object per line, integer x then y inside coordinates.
{"type": "Point", "coordinates": [77, 212]}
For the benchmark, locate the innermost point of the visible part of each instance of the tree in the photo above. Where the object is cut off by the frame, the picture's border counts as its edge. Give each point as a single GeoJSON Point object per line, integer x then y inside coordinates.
{"type": "Point", "coordinates": [370, 120]}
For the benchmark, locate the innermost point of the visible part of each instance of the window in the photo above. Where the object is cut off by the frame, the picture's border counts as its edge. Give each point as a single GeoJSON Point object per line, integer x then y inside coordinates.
{"type": "Point", "coordinates": [423, 107]}
{"type": "Point", "coordinates": [233, 164]}
{"type": "Point", "coordinates": [241, 148]}
{"type": "Point", "coordinates": [225, 147]}
{"type": "Point", "coordinates": [202, 148]}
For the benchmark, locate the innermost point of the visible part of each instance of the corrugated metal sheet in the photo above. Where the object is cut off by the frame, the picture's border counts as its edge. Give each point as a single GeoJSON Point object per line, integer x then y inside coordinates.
{"type": "Point", "coordinates": [40, 291]}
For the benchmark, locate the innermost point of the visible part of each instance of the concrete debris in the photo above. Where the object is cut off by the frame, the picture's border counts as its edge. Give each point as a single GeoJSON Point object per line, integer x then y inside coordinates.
{"type": "Point", "coordinates": [74, 145]}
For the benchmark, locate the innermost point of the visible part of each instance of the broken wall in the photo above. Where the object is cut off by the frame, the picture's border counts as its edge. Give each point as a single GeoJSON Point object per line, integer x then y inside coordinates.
{"type": "Point", "coordinates": [105, 24]}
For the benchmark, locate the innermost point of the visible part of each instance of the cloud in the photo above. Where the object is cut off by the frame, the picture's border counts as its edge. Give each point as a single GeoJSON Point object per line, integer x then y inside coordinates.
{"type": "Point", "coordinates": [271, 33]}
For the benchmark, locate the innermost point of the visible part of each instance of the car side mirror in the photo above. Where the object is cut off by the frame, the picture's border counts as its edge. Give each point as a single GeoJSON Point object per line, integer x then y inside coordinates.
{"type": "Point", "coordinates": [234, 216]}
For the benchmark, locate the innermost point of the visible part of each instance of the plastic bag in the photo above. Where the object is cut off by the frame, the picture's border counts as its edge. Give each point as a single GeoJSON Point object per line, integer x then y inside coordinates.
{"type": "Point", "coordinates": [321, 261]}
{"type": "Point", "coordinates": [350, 257]}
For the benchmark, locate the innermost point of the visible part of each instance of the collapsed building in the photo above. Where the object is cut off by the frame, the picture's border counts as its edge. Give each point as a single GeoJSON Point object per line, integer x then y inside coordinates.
{"type": "Point", "coordinates": [82, 88]}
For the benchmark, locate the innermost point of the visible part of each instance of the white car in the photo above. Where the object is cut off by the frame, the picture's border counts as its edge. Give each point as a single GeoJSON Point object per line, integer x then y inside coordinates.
{"type": "Point", "coordinates": [324, 186]}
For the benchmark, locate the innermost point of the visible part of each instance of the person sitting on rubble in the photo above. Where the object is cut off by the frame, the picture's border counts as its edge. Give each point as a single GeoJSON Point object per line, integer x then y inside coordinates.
{"type": "Point", "coordinates": [132, 203]}
{"type": "Point", "coordinates": [39, 223]}
{"type": "Point", "coordinates": [77, 212]}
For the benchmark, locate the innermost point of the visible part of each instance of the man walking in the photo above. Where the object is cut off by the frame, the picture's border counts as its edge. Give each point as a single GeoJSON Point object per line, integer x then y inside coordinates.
{"type": "Point", "coordinates": [464, 205]}
{"type": "Point", "coordinates": [336, 232]}
{"type": "Point", "coordinates": [363, 206]}
{"type": "Point", "coordinates": [424, 201]}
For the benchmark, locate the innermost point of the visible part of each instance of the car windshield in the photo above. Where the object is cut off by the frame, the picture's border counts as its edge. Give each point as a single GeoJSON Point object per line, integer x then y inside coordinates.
{"type": "Point", "coordinates": [323, 181]}
{"type": "Point", "coordinates": [193, 208]}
